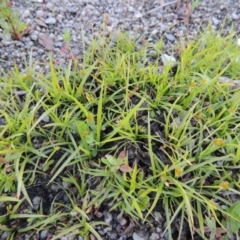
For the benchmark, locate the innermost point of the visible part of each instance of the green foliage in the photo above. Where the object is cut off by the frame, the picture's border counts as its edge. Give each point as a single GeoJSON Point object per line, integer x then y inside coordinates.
{"type": "Point", "coordinates": [233, 221]}
{"type": "Point", "coordinates": [120, 131]}
{"type": "Point", "coordinates": [66, 36]}
{"type": "Point", "coordinates": [10, 21]}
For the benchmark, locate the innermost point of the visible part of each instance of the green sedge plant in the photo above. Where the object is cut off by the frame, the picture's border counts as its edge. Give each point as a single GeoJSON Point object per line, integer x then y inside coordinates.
{"type": "Point", "coordinates": [10, 21]}
{"type": "Point", "coordinates": [125, 130]}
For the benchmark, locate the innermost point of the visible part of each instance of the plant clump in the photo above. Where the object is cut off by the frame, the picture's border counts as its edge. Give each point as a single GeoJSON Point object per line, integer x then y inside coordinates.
{"type": "Point", "coordinates": [126, 132]}
{"type": "Point", "coordinates": [10, 21]}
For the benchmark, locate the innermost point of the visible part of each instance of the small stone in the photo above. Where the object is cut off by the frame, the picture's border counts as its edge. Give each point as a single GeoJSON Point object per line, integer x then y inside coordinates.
{"type": "Point", "coordinates": [135, 236]}
{"type": "Point", "coordinates": [131, 9]}
{"type": "Point", "coordinates": [235, 16]}
{"type": "Point", "coordinates": [163, 27]}
{"type": "Point", "coordinates": [29, 44]}
{"type": "Point", "coordinates": [40, 13]}
{"type": "Point", "coordinates": [215, 21]}
{"type": "Point", "coordinates": [40, 52]}
{"type": "Point", "coordinates": [59, 17]}
{"type": "Point", "coordinates": [66, 185]}
{"type": "Point", "coordinates": [49, 5]}
{"type": "Point", "coordinates": [158, 216]}
{"type": "Point", "coordinates": [68, 237]}
{"type": "Point", "coordinates": [5, 234]}
{"type": "Point", "coordinates": [6, 37]}
{"type": "Point", "coordinates": [170, 37]}
{"type": "Point", "coordinates": [72, 9]}
{"type": "Point", "coordinates": [50, 20]}
{"type": "Point", "coordinates": [159, 15]}
{"type": "Point", "coordinates": [58, 44]}
{"type": "Point", "coordinates": [74, 214]}
{"type": "Point", "coordinates": [44, 234]}
{"type": "Point", "coordinates": [107, 229]}
{"type": "Point", "coordinates": [107, 217]}
{"type": "Point", "coordinates": [7, 43]}
{"type": "Point", "coordinates": [168, 60]}
{"type": "Point", "coordinates": [122, 221]}
{"type": "Point", "coordinates": [138, 15]}
{"type": "Point", "coordinates": [154, 236]}
{"type": "Point", "coordinates": [112, 235]}
{"type": "Point", "coordinates": [46, 118]}
{"type": "Point", "coordinates": [154, 32]}
{"type": "Point", "coordinates": [34, 37]}
{"type": "Point", "coordinates": [222, 7]}
{"type": "Point", "coordinates": [26, 13]}
{"type": "Point", "coordinates": [36, 202]}
{"type": "Point", "coordinates": [118, 10]}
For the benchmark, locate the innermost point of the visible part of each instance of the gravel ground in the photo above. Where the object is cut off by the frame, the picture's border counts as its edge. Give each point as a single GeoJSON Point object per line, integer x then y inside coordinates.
{"type": "Point", "coordinates": [152, 19]}
{"type": "Point", "coordinates": [84, 18]}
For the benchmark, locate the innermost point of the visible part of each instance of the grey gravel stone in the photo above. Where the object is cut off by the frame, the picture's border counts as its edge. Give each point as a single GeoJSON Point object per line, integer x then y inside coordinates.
{"type": "Point", "coordinates": [36, 202]}
{"type": "Point", "coordinates": [46, 118]}
{"type": "Point", "coordinates": [58, 44]}
{"type": "Point", "coordinates": [135, 236]}
{"type": "Point", "coordinates": [72, 9]}
{"type": "Point", "coordinates": [107, 229]}
{"type": "Point", "coordinates": [215, 21]}
{"type": "Point", "coordinates": [50, 20]}
{"type": "Point", "coordinates": [34, 36]}
{"type": "Point", "coordinates": [112, 235]}
{"type": "Point", "coordinates": [158, 216]}
{"type": "Point", "coordinates": [49, 5]}
{"type": "Point", "coordinates": [158, 230]}
{"type": "Point", "coordinates": [235, 16]}
{"type": "Point", "coordinates": [154, 236]}
{"type": "Point", "coordinates": [66, 185]}
{"type": "Point", "coordinates": [170, 37]}
{"type": "Point", "coordinates": [44, 234]}
{"type": "Point", "coordinates": [168, 60]}
{"type": "Point", "coordinates": [40, 13]}
{"type": "Point", "coordinates": [122, 221]}
{"type": "Point", "coordinates": [5, 235]}
{"type": "Point", "coordinates": [107, 217]}
{"type": "Point", "coordinates": [26, 13]}
{"type": "Point", "coordinates": [68, 237]}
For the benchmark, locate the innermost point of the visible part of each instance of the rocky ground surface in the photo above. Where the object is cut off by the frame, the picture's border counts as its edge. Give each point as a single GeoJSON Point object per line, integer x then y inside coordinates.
{"type": "Point", "coordinates": [84, 19]}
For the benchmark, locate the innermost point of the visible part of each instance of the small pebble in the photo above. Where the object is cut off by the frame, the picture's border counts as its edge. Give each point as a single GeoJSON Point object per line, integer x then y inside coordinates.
{"type": "Point", "coordinates": [154, 236]}
{"type": "Point", "coordinates": [235, 16]}
{"type": "Point", "coordinates": [40, 13]}
{"type": "Point", "coordinates": [66, 185]}
{"type": "Point", "coordinates": [170, 37]}
{"type": "Point", "coordinates": [4, 234]}
{"type": "Point", "coordinates": [122, 221]}
{"type": "Point", "coordinates": [26, 13]}
{"type": "Point", "coordinates": [168, 60]}
{"type": "Point", "coordinates": [44, 233]}
{"type": "Point", "coordinates": [36, 202]}
{"type": "Point", "coordinates": [107, 217]}
{"type": "Point", "coordinates": [49, 5]}
{"type": "Point", "coordinates": [135, 236]}
{"type": "Point", "coordinates": [50, 20]}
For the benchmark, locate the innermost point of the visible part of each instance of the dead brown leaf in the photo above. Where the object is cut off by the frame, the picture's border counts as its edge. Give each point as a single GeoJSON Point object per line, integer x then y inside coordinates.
{"type": "Point", "coordinates": [122, 154]}
{"type": "Point", "coordinates": [45, 41]}
{"type": "Point", "coordinates": [125, 168]}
